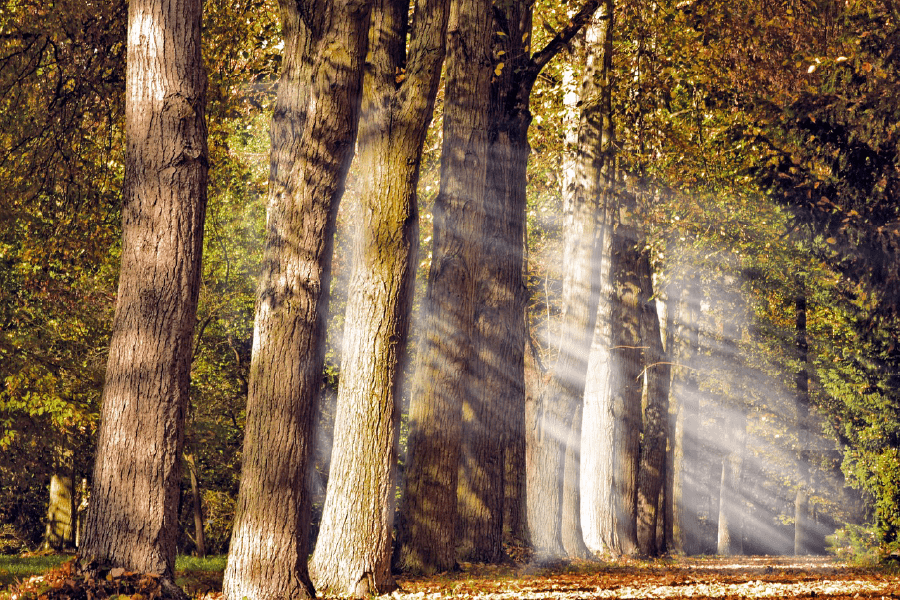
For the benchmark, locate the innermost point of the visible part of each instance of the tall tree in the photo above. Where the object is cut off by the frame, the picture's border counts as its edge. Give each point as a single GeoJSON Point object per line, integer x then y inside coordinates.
{"type": "Point", "coordinates": [497, 389]}
{"type": "Point", "coordinates": [132, 518]}
{"type": "Point", "coordinates": [658, 372]}
{"type": "Point", "coordinates": [685, 441]}
{"type": "Point", "coordinates": [353, 551]}
{"type": "Point", "coordinates": [583, 237]}
{"type": "Point", "coordinates": [429, 511]}
{"type": "Point", "coordinates": [313, 134]}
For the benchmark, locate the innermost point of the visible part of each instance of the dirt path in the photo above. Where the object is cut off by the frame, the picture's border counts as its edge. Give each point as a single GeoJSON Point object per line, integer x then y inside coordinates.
{"type": "Point", "coordinates": [740, 577]}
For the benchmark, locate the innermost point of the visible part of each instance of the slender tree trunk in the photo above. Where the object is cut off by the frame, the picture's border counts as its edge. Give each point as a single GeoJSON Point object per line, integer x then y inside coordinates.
{"type": "Point", "coordinates": [802, 540]}
{"type": "Point", "coordinates": [313, 135]}
{"type": "Point", "coordinates": [353, 551]}
{"type": "Point", "coordinates": [428, 524]}
{"type": "Point", "coordinates": [730, 529]}
{"type": "Point", "coordinates": [59, 533]}
{"type": "Point", "coordinates": [132, 519]}
{"type": "Point", "coordinates": [656, 413]}
{"type": "Point", "coordinates": [685, 476]}
{"type": "Point", "coordinates": [197, 505]}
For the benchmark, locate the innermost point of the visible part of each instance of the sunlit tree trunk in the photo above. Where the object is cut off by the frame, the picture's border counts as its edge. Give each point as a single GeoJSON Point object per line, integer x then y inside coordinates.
{"type": "Point", "coordinates": [313, 134]}
{"type": "Point", "coordinates": [801, 501]}
{"type": "Point", "coordinates": [59, 532]}
{"type": "Point", "coordinates": [656, 413]}
{"type": "Point", "coordinates": [132, 519]}
{"type": "Point", "coordinates": [428, 526]}
{"type": "Point", "coordinates": [685, 488]}
{"type": "Point", "coordinates": [353, 551]}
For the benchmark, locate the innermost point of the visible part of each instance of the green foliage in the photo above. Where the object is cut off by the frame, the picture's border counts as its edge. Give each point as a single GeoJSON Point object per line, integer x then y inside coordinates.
{"type": "Point", "coordinates": [856, 544]}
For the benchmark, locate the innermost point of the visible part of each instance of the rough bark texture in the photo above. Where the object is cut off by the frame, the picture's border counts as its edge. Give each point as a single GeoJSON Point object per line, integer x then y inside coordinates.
{"type": "Point", "coordinates": [313, 135]}
{"type": "Point", "coordinates": [428, 524]}
{"type": "Point", "coordinates": [625, 367]}
{"type": "Point", "coordinates": [353, 551]}
{"type": "Point", "coordinates": [132, 519]}
{"type": "Point", "coordinates": [802, 542]}
{"type": "Point", "coordinates": [685, 486]}
{"type": "Point", "coordinates": [658, 373]}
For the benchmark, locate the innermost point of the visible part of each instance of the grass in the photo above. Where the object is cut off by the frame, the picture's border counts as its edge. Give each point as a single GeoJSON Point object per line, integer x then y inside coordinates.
{"type": "Point", "coordinates": [192, 573]}
{"type": "Point", "coordinates": [13, 568]}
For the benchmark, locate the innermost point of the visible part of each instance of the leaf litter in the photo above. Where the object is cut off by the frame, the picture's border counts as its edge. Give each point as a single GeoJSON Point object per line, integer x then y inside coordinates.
{"type": "Point", "coordinates": [729, 578]}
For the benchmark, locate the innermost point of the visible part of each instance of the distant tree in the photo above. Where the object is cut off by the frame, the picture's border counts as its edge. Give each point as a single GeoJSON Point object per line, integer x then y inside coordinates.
{"type": "Point", "coordinates": [313, 135]}
{"type": "Point", "coordinates": [801, 500]}
{"type": "Point", "coordinates": [353, 551]}
{"type": "Point", "coordinates": [132, 518]}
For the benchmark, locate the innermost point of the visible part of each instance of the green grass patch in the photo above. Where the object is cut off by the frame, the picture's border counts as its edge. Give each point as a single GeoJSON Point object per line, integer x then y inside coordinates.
{"type": "Point", "coordinates": [192, 573]}
{"type": "Point", "coordinates": [16, 568]}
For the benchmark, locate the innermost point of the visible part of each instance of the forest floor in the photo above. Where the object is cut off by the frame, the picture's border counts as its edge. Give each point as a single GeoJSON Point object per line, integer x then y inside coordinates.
{"type": "Point", "coordinates": [697, 578]}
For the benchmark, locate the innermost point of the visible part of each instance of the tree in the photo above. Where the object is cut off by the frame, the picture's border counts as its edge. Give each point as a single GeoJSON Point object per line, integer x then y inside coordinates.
{"type": "Point", "coordinates": [429, 509]}
{"type": "Point", "coordinates": [132, 518]}
{"type": "Point", "coordinates": [313, 134]}
{"type": "Point", "coordinates": [583, 240]}
{"type": "Point", "coordinates": [353, 551]}
{"type": "Point", "coordinates": [658, 372]}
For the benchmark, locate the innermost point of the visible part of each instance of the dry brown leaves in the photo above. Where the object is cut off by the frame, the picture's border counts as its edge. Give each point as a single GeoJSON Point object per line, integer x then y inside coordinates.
{"type": "Point", "coordinates": [728, 578]}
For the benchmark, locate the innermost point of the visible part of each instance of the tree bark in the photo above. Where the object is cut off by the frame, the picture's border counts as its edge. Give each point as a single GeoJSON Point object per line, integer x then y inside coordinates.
{"type": "Point", "coordinates": [132, 519]}
{"type": "Point", "coordinates": [197, 506]}
{"type": "Point", "coordinates": [653, 448]}
{"type": "Point", "coordinates": [353, 551]}
{"type": "Point", "coordinates": [313, 134]}
{"type": "Point", "coordinates": [429, 516]}
{"type": "Point", "coordinates": [685, 478]}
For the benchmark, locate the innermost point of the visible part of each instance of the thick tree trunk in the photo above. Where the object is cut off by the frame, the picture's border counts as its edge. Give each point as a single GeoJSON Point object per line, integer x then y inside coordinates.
{"type": "Point", "coordinates": [353, 551]}
{"type": "Point", "coordinates": [313, 135]}
{"type": "Point", "coordinates": [653, 448]}
{"type": "Point", "coordinates": [132, 520]}
{"type": "Point", "coordinates": [428, 527]}
{"type": "Point", "coordinates": [626, 364]}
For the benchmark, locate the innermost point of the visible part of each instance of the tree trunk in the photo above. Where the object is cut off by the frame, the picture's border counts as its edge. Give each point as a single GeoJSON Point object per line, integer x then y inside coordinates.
{"type": "Point", "coordinates": [802, 540]}
{"type": "Point", "coordinates": [685, 476]}
{"type": "Point", "coordinates": [60, 530]}
{"type": "Point", "coordinates": [428, 527]}
{"type": "Point", "coordinates": [197, 505]}
{"type": "Point", "coordinates": [313, 135]}
{"type": "Point", "coordinates": [625, 387]}
{"type": "Point", "coordinates": [656, 414]}
{"type": "Point", "coordinates": [132, 519]}
{"type": "Point", "coordinates": [353, 551]}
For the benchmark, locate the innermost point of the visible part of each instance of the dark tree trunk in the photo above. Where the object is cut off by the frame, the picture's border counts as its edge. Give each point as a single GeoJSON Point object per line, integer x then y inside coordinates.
{"type": "Point", "coordinates": [132, 519]}
{"type": "Point", "coordinates": [196, 505]}
{"type": "Point", "coordinates": [656, 415]}
{"type": "Point", "coordinates": [626, 364]}
{"type": "Point", "coordinates": [428, 527]}
{"type": "Point", "coordinates": [353, 551]}
{"type": "Point", "coordinates": [313, 135]}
